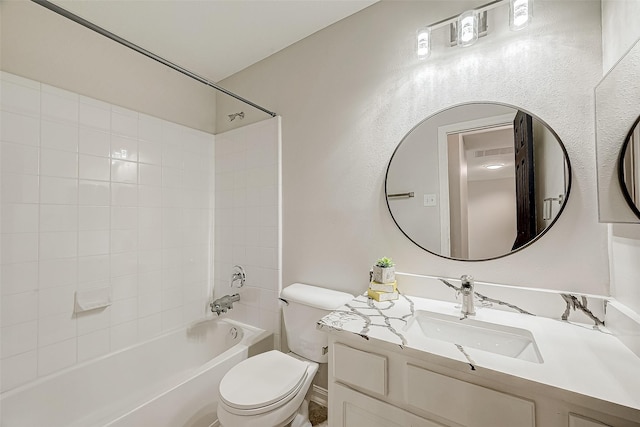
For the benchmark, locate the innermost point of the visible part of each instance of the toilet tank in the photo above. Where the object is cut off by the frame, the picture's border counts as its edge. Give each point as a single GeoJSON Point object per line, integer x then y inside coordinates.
{"type": "Point", "coordinates": [304, 306]}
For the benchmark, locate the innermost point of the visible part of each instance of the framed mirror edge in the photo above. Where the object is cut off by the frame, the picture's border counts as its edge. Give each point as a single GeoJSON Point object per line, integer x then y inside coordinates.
{"type": "Point", "coordinates": [621, 178]}
{"type": "Point", "coordinates": [613, 206]}
{"type": "Point", "coordinates": [568, 183]}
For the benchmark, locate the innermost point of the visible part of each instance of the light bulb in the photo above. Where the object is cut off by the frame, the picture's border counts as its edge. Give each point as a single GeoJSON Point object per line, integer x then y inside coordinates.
{"type": "Point", "coordinates": [423, 37]}
{"type": "Point", "coordinates": [493, 166]}
{"type": "Point", "coordinates": [520, 13]}
{"type": "Point", "coordinates": [467, 28]}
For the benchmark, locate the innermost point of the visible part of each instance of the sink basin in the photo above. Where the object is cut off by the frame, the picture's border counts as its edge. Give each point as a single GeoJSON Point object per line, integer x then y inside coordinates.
{"type": "Point", "coordinates": [490, 337]}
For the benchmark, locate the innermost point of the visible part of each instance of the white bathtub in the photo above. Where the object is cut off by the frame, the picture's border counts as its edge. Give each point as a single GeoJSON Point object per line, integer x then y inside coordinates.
{"type": "Point", "coordinates": [169, 381]}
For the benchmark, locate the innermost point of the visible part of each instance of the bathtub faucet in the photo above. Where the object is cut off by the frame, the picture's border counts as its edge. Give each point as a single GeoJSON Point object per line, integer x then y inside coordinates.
{"type": "Point", "coordinates": [221, 305]}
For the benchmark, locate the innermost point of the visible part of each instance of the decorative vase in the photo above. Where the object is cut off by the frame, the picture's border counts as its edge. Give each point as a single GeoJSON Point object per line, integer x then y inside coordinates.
{"type": "Point", "coordinates": [384, 274]}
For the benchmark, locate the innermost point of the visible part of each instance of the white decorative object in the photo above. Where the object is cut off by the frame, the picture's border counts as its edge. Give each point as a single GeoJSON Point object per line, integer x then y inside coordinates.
{"type": "Point", "coordinates": [384, 271]}
{"type": "Point", "coordinates": [384, 274]}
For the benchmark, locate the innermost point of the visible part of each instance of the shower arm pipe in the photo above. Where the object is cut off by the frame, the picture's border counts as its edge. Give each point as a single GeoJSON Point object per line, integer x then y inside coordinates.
{"type": "Point", "coordinates": [87, 24]}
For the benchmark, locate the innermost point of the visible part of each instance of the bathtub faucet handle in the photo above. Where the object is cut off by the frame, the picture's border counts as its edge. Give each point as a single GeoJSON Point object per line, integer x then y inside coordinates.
{"type": "Point", "coordinates": [238, 277]}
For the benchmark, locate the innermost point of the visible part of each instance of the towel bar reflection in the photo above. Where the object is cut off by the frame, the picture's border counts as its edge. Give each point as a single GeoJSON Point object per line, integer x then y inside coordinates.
{"type": "Point", "coordinates": [400, 195]}
{"type": "Point", "coordinates": [547, 211]}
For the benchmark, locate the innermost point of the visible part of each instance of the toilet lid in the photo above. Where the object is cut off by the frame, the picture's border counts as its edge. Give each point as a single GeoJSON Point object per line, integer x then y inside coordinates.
{"type": "Point", "coordinates": [262, 380]}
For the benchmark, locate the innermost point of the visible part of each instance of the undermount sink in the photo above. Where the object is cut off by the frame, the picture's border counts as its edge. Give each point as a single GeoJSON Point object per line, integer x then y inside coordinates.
{"type": "Point", "coordinates": [494, 338]}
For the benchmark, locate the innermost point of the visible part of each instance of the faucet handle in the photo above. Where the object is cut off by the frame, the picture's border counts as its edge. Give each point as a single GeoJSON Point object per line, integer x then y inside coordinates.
{"type": "Point", "coordinates": [466, 282]}
{"type": "Point", "coordinates": [238, 275]}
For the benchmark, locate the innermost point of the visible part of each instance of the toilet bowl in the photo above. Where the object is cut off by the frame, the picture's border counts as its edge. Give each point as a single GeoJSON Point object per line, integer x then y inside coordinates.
{"type": "Point", "coordinates": [269, 389]}
{"type": "Point", "coordinates": [264, 390]}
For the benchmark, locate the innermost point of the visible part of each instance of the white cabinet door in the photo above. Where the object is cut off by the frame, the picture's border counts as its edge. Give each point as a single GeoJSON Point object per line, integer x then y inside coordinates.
{"type": "Point", "coordinates": [362, 369]}
{"type": "Point", "coordinates": [464, 403]}
{"type": "Point", "coordinates": [352, 409]}
{"type": "Point", "coordinates": [578, 421]}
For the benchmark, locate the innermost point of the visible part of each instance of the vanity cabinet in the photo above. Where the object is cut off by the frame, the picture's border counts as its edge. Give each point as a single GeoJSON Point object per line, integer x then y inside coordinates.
{"type": "Point", "coordinates": [354, 409]}
{"type": "Point", "coordinates": [464, 403]}
{"type": "Point", "coordinates": [381, 386]}
{"type": "Point", "coordinates": [578, 421]}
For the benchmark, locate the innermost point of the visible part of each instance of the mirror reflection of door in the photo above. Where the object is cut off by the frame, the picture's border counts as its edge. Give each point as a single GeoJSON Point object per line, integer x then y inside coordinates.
{"type": "Point", "coordinates": [482, 191]}
{"type": "Point", "coordinates": [506, 183]}
{"type": "Point", "coordinates": [525, 179]}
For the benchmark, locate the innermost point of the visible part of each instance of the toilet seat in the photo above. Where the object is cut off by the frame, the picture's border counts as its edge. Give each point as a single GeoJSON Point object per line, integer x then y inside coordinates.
{"type": "Point", "coordinates": [262, 383]}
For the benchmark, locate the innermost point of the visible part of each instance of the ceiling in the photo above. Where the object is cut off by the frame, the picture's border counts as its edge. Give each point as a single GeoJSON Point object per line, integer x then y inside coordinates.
{"type": "Point", "coordinates": [213, 38]}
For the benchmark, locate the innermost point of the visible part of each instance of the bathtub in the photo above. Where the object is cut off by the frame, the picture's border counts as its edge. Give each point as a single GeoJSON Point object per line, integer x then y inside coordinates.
{"type": "Point", "coordinates": [169, 381]}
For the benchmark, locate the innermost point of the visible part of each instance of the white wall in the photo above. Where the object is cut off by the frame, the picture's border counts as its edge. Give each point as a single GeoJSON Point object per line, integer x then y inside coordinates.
{"type": "Point", "coordinates": [550, 173]}
{"type": "Point", "coordinates": [95, 196]}
{"type": "Point", "coordinates": [349, 93]}
{"type": "Point", "coordinates": [619, 33]}
{"type": "Point", "coordinates": [620, 29]}
{"type": "Point", "coordinates": [247, 221]}
{"type": "Point", "coordinates": [492, 217]}
{"type": "Point", "coordinates": [415, 169]}
{"type": "Point", "coordinates": [41, 45]}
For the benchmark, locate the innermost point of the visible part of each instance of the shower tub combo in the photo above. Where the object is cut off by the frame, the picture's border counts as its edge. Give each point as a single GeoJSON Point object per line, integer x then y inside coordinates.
{"type": "Point", "coordinates": [169, 381]}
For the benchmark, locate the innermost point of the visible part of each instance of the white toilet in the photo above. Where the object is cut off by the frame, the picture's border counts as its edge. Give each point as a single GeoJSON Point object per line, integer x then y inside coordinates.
{"type": "Point", "coordinates": [268, 390]}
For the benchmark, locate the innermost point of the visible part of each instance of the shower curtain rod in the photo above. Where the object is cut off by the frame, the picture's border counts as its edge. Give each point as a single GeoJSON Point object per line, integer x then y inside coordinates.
{"type": "Point", "coordinates": [75, 18]}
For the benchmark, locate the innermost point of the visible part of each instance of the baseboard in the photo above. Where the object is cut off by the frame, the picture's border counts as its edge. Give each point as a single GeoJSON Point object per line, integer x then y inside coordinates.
{"type": "Point", "coordinates": [319, 395]}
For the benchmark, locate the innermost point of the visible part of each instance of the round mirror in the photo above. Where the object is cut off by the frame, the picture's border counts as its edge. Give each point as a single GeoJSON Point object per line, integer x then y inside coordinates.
{"type": "Point", "coordinates": [629, 168]}
{"type": "Point", "coordinates": [477, 181]}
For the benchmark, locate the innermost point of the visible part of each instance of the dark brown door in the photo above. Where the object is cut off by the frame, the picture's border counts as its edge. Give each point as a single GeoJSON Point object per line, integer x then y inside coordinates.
{"type": "Point", "coordinates": [525, 192]}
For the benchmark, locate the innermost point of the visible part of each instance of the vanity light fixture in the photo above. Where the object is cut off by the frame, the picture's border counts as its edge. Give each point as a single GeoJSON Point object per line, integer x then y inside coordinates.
{"type": "Point", "coordinates": [423, 36]}
{"type": "Point", "coordinates": [520, 12]}
{"type": "Point", "coordinates": [466, 28]}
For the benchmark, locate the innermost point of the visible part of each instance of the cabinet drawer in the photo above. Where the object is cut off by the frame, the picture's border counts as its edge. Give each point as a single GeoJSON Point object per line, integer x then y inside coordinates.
{"type": "Point", "coordinates": [464, 403]}
{"type": "Point", "coordinates": [578, 421]}
{"type": "Point", "coordinates": [367, 371]}
{"type": "Point", "coordinates": [353, 409]}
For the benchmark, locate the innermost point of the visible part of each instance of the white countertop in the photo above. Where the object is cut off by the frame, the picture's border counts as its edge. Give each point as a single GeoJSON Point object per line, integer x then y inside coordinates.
{"type": "Point", "coordinates": [576, 357]}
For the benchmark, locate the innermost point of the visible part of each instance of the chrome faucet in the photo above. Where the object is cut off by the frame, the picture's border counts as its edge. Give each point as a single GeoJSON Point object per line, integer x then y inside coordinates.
{"type": "Point", "coordinates": [238, 275]}
{"type": "Point", "coordinates": [466, 288]}
{"type": "Point", "coordinates": [222, 305]}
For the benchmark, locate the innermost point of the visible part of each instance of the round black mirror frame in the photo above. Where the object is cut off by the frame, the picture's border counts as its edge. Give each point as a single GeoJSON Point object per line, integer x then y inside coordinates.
{"type": "Point", "coordinates": [623, 184]}
{"type": "Point", "coordinates": [569, 175]}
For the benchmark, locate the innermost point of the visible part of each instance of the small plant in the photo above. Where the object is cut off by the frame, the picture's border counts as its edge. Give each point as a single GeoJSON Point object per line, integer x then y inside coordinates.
{"type": "Point", "coordinates": [384, 271]}
{"type": "Point", "coordinates": [385, 262]}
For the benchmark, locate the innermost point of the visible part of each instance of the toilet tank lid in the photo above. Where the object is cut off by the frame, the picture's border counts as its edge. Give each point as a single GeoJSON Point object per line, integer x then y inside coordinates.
{"type": "Point", "coordinates": [314, 296]}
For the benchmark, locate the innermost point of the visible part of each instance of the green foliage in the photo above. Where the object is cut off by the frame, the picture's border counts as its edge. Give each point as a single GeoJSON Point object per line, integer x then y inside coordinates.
{"type": "Point", "coordinates": [385, 262]}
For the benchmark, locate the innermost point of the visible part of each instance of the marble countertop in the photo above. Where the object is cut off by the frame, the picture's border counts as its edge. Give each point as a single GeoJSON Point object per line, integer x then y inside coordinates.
{"type": "Point", "coordinates": [579, 358]}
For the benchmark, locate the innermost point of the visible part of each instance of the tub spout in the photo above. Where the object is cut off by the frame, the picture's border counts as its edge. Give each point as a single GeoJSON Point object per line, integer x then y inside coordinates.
{"type": "Point", "coordinates": [222, 305]}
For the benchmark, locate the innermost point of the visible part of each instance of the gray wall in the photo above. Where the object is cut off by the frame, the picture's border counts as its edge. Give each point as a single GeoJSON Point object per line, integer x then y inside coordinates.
{"type": "Point", "coordinates": [43, 46]}
{"type": "Point", "coordinates": [349, 93]}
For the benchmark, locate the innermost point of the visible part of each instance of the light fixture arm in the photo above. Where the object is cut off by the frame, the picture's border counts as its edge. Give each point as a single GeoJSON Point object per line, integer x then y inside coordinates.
{"type": "Point", "coordinates": [452, 19]}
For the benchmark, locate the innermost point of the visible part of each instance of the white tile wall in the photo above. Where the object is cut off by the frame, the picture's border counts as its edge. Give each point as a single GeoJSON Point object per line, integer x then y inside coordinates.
{"type": "Point", "coordinates": [93, 196]}
{"type": "Point", "coordinates": [247, 223]}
